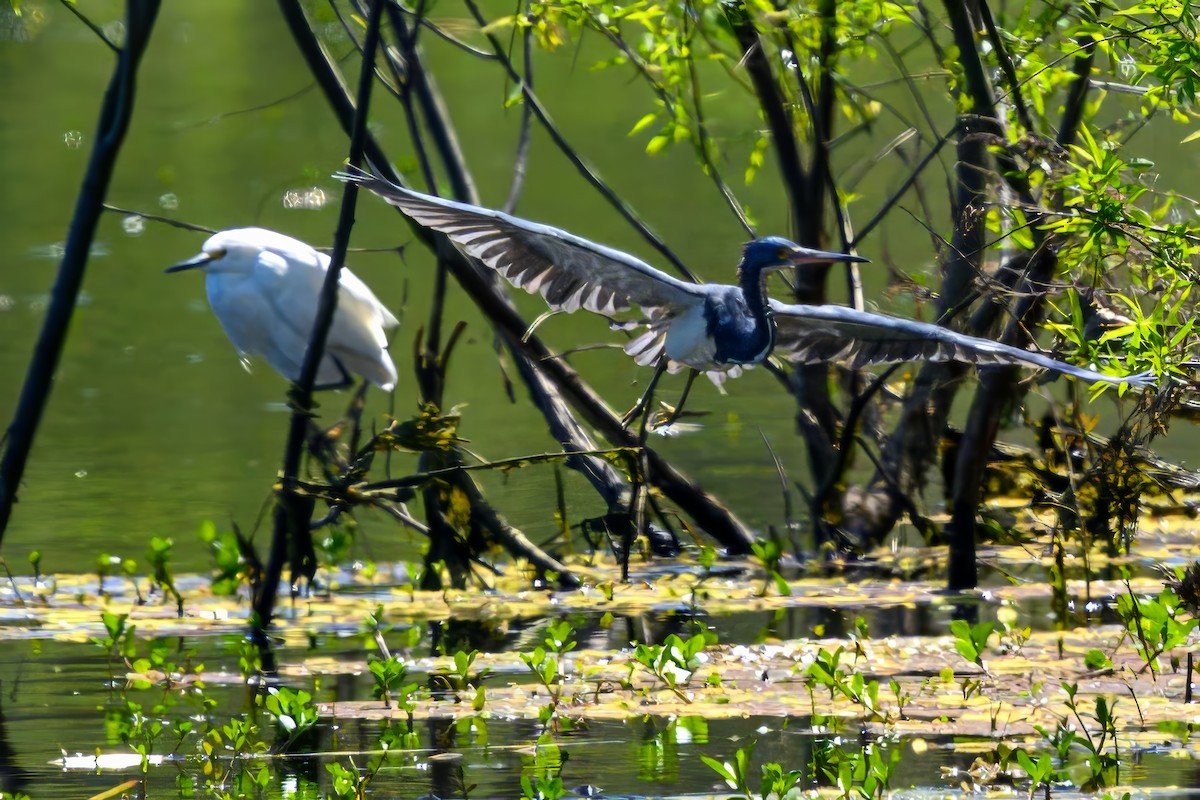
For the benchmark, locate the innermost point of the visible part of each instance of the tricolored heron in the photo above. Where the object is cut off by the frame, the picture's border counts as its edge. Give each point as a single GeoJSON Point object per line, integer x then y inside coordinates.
{"type": "Point", "coordinates": [712, 327]}
{"type": "Point", "coordinates": [264, 288]}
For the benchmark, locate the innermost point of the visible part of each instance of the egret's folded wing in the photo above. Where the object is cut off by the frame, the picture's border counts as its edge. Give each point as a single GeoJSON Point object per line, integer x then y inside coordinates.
{"type": "Point", "coordinates": [291, 289]}
{"type": "Point", "coordinates": [358, 298]}
{"type": "Point", "coordinates": [568, 271]}
{"type": "Point", "coordinates": [811, 334]}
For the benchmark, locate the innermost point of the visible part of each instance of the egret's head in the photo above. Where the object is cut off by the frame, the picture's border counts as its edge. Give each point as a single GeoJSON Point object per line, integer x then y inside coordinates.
{"type": "Point", "coordinates": [235, 250]}
{"type": "Point", "coordinates": [776, 252]}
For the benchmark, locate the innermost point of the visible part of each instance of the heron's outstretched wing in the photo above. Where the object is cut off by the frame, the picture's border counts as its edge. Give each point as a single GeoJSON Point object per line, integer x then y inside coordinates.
{"type": "Point", "coordinates": [568, 271]}
{"type": "Point", "coordinates": [811, 334]}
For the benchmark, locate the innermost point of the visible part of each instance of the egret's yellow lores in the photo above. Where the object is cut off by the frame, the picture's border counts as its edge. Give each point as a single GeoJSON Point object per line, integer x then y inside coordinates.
{"type": "Point", "coordinates": [264, 288]}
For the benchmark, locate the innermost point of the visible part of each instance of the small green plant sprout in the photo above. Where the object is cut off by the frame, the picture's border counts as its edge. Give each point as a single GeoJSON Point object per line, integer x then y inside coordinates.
{"type": "Point", "coordinates": [249, 658]}
{"type": "Point", "coordinates": [118, 639]}
{"type": "Point", "coordinates": [1154, 625]}
{"type": "Point", "coordinates": [159, 557]}
{"type": "Point", "coordinates": [778, 783]}
{"type": "Point", "coordinates": [706, 558]}
{"type": "Point", "coordinates": [826, 670]}
{"type": "Point", "coordinates": [1097, 660]}
{"type": "Point", "coordinates": [673, 662]}
{"type": "Point", "coordinates": [345, 782]}
{"type": "Point", "coordinates": [139, 731]}
{"type": "Point", "coordinates": [1041, 772]}
{"type": "Point", "coordinates": [374, 628]}
{"type": "Point", "coordinates": [549, 787]}
{"type": "Point", "coordinates": [560, 637]}
{"type": "Point", "coordinates": [736, 771]}
{"type": "Point", "coordinates": [224, 547]}
{"type": "Point", "coordinates": [129, 571]}
{"type": "Point", "coordinates": [389, 674]}
{"type": "Point", "coordinates": [224, 746]}
{"type": "Point", "coordinates": [769, 553]}
{"type": "Point", "coordinates": [156, 666]}
{"type": "Point", "coordinates": [863, 773]}
{"type": "Point", "coordinates": [545, 662]}
{"type": "Point", "coordinates": [971, 641]}
{"type": "Point", "coordinates": [462, 676]}
{"type": "Point", "coordinates": [860, 635]}
{"type": "Point", "coordinates": [292, 709]}
{"type": "Point", "coordinates": [1104, 768]}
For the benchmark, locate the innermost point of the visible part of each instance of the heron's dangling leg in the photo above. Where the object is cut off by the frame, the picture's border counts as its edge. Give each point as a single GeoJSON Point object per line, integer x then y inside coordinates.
{"type": "Point", "coordinates": [687, 388]}
{"type": "Point", "coordinates": [643, 403]}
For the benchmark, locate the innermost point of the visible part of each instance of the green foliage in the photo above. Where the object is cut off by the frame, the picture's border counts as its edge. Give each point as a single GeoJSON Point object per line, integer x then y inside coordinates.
{"type": "Point", "coordinates": [139, 730]}
{"type": "Point", "coordinates": [735, 772]}
{"type": "Point", "coordinates": [864, 773]}
{"type": "Point", "coordinates": [826, 670]}
{"type": "Point", "coordinates": [388, 673]}
{"type": "Point", "coordinates": [1097, 660]}
{"type": "Point", "coordinates": [158, 555]}
{"type": "Point", "coordinates": [1104, 768]}
{"type": "Point", "coordinates": [224, 745]}
{"type": "Point", "coordinates": [1041, 771]}
{"type": "Point", "coordinates": [345, 782]}
{"type": "Point", "coordinates": [249, 658]}
{"type": "Point", "coordinates": [775, 781]}
{"type": "Point", "coordinates": [769, 553]}
{"type": "Point", "coordinates": [292, 709]}
{"type": "Point", "coordinates": [1154, 625]}
{"type": "Point", "coordinates": [673, 662]}
{"type": "Point", "coordinates": [226, 555]}
{"type": "Point", "coordinates": [971, 641]}
{"type": "Point", "coordinates": [545, 662]}
{"type": "Point", "coordinates": [119, 635]}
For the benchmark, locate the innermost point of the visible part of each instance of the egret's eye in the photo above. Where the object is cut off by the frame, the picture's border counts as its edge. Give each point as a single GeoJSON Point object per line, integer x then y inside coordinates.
{"type": "Point", "coordinates": [216, 253]}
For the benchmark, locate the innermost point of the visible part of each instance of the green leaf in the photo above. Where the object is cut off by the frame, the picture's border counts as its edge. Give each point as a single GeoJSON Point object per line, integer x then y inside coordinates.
{"type": "Point", "coordinates": [643, 122]}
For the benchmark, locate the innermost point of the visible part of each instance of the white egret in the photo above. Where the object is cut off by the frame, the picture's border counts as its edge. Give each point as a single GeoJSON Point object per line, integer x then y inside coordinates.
{"type": "Point", "coordinates": [264, 288]}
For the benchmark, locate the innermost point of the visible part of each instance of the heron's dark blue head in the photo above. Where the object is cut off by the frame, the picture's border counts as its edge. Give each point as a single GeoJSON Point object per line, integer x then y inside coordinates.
{"type": "Point", "coordinates": [776, 252]}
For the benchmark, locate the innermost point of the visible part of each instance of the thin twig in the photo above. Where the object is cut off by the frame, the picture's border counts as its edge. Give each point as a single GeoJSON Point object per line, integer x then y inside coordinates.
{"type": "Point", "coordinates": [96, 29]}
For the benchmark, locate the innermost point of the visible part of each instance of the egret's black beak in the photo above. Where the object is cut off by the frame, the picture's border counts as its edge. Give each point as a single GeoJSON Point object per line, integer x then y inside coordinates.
{"type": "Point", "coordinates": [192, 263]}
{"type": "Point", "coordinates": [807, 255]}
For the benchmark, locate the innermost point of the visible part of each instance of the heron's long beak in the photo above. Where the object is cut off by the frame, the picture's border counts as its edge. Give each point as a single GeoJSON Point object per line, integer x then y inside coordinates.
{"type": "Point", "coordinates": [192, 263]}
{"type": "Point", "coordinates": [807, 255]}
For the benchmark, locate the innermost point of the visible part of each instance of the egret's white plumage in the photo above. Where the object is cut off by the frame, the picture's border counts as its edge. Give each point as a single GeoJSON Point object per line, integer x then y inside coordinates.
{"type": "Point", "coordinates": [264, 288]}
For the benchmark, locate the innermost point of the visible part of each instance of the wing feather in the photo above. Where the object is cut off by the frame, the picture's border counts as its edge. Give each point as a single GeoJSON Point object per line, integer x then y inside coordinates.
{"type": "Point", "coordinates": [811, 334]}
{"type": "Point", "coordinates": [568, 271]}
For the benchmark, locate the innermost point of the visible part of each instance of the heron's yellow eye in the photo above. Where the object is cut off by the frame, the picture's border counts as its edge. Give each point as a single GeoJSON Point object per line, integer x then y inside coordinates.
{"type": "Point", "coordinates": [783, 254]}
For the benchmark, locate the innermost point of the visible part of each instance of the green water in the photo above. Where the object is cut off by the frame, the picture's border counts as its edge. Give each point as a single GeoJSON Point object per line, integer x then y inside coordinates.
{"type": "Point", "coordinates": [153, 425]}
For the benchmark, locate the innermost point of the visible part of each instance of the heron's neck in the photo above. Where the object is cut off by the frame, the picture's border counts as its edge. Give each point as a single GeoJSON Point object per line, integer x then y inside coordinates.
{"type": "Point", "coordinates": [753, 283]}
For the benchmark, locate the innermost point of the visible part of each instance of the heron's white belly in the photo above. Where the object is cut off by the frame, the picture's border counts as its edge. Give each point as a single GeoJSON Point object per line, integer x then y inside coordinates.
{"type": "Point", "coordinates": [688, 341]}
